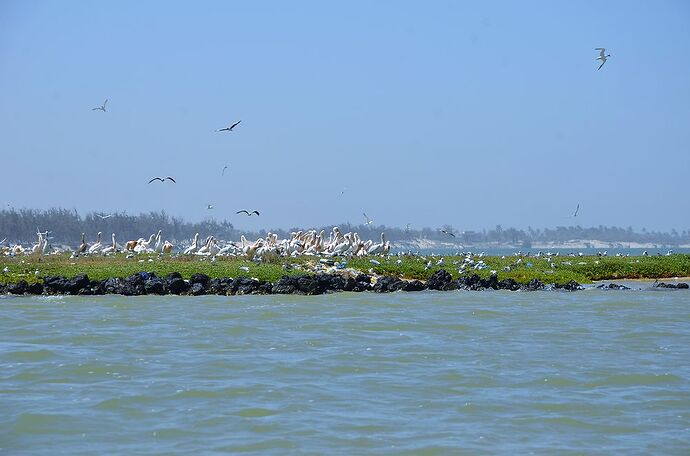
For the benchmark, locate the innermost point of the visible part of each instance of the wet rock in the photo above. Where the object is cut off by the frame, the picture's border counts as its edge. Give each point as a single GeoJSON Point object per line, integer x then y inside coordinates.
{"type": "Point", "coordinates": [337, 283]}
{"type": "Point", "coordinates": [154, 285]}
{"type": "Point", "coordinates": [534, 285]}
{"type": "Point", "coordinates": [613, 286]}
{"type": "Point", "coordinates": [197, 289]}
{"type": "Point", "coordinates": [414, 285]}
{"type": "Point", "coordinates": [568, 286]}
{"type": "Point", "coordinates": [219, 286]}
{"type": "Point", "coordinates": [324, 281]}
{"type": "Point", "coordinates": [386, 284]}
{"type": "Point", "coordinates": [362, 283]}
{"type": "Point", "coordinates": [264, 288]}
{"type": "Point", "coordinates": [203, 279]}
{"type": "Point", "coordinates": [173, 275]}
{"type": "Point", "coordinates": [176, 285]}
{"type": "Point", "coordinates": [286, 285]}
{"type": "Point", "coordinates": [244, 285]}
{"type": "Point", "coordinates": [491, 282]}
{"type": "Point", "coordinates": [472, 282]}
{"type": "Point", "coordinates": [76, 283]}
{"type": "Point", "coordinates": [682, 285]}
{"type": "Point", "coordinates": [509, 284]}
{"type": "Point", "coordinates": [35, 288]}
{"type": "Point", "coordinates": [439, 280]}
{"type": "Point", "coordinates": [18, 288]}
{"type": "Point", "coordinates": [309, 285]}
{"type": "Point", "coordinates": [54, 284]}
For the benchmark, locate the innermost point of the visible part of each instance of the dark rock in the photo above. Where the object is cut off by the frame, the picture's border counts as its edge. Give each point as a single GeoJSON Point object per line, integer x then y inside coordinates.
{"type": "Point", "coordinates": [35, 288]}
{"type": "Point", "coordinates": [264, 288]}
{"type": "Point", "coordinates": [350, 284]}
{"type": "Point", "coordinates": [176, 285]}
{"type": "Point", "coordinates": [491, 282]}
{"type": "Point", "coordinates": [509, 284]}
{"type": "Point", "coordinates": [244, 285]}
{"type": "Point", "coordinates": [154, 285]}
{"type": "Point", "coordinates": [414, 285]}
{"type": "Point", "coordinates": [472, 282]}
{"type": "Point", "coordinates": [337, 283]}
{"type": "Point", "coordinates": [534, 285]}
{"type": "Point", "coordinates": [613, 286]}
{"type": "Point", "coordinates": [324, 281]}
{"type": "Point", "coordinates": [219, 286]}
{"type": "Point", "coordinates": [286, 285]}
{"type": "Point", "coordinates": [363, 278]}
{"type": "Point", "coordinates": [439, 280]}
{"type": "Point", "coordinates": [134, 285]}
{"type": "Point", "coordinates": [173, 275]}
{"type": "Point", "coordinates": [682, 285]}
{"type": "Point", "coordinates": [309, 285]}
{"type": "Point", "coordinates": [111, 285]}
{"type": "Point", "coordinates": [76, 283]}
{"type": "Point", "coordinates": [387, 284]}
{"type": "Point", "coordinates": [54, 284]}
{"type": "Point", "coordinates": [568, 286]}
{"type": "Point", "coordinates": [18, 288]}
{"type": "Point", "coordinates": [197, 289]}
{"type": "Point", "coordinates": [199, 278]}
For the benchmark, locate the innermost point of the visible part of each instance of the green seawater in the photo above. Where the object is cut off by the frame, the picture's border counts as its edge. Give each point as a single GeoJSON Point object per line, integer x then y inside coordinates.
{"type": "Point", "coordinates": [591, 372]}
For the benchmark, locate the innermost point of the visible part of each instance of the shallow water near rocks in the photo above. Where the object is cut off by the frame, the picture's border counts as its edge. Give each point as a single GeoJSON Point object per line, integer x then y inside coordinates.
{"type": "Point", "coordinates": [347, 373]}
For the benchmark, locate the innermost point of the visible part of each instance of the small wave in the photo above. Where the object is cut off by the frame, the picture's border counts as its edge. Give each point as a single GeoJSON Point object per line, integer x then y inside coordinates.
{"type": "Point", "coordinates": [27, 356]}
{"type": "Point", "coordinates": [256, 412]}
{"type": "Point", "coordinates": [635, 380]}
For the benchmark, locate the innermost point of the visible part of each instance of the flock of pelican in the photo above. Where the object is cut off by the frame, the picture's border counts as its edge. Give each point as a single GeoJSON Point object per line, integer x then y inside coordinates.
{"type": "Point", "coordinates": [308, 242]}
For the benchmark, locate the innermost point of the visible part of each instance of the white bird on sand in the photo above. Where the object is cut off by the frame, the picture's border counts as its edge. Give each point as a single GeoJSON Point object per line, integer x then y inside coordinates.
{"type": "Point", "coordinates": [97, 247]}
{"type": "Point", "coordinates": [110, 249]}
{"type": "Point", "coordinates": [101, 107]}
{"type": "Point", "coordinates": [194, 247]}
{"type": "Point", "coordinates": [602, 56]}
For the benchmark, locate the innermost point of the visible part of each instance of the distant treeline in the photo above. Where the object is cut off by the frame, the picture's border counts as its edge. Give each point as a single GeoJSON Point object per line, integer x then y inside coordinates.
{"type": "Point", "coordinates": [65, 227]}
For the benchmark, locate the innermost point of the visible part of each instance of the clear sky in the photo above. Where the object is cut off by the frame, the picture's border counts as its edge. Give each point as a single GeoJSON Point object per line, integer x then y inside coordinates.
{"type": "Point", "coordinates": [470, 114]}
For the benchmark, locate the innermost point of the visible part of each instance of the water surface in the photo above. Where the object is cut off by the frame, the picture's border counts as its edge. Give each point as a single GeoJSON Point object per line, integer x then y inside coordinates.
{"type": "Point", "coordinates": [402, 373]}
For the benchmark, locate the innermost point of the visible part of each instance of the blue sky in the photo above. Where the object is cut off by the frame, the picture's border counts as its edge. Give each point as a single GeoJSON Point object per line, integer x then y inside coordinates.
{"type": "Point", "coordinates": [467, 114]}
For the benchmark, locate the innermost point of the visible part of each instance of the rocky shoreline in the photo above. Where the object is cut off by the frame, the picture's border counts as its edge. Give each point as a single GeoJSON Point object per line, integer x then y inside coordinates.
{"type": "Point", "coordinates": [148, 283]}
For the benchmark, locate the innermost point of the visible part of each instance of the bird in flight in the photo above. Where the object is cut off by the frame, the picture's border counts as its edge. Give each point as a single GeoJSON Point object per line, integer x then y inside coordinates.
{"type": "Point", "coordinates": [209, 206]}
{"type": "Point", "coordinates": [230, 127]}
{"type": "Point", "coordinates": [223, 172]}
{"type": "Point", "coordinates": [368, 220]}
{"type": "Point", "coordinates": [602, 56]}
{"type": "Point", "coordinates": [244, 211]}
{"type": "Point", "coordinates": [163, 179]}
{"type": "Point", "coordinates": [447, 232]}
{"type": "Point", "coordinates": [101, 107]}
{"type": "Point", "coordinates": [104, 216]}
{"type": "Point", "coordinates": [576, 210]}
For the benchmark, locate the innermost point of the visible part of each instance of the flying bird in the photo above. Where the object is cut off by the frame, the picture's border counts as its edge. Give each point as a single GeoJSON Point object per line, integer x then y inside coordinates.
{"type": "Point", "coordinates": [576, 210]}
{"type": "Point", "coordinates": [209, 206]}
{"type": "Point", "coordinates": [101, 107]}
{"type": "Point", "coordinates": [368, 220]}
{"type": "Point", "coordinates": [230, 127]}
{"type": "Point", "coordinates": [247, 212]}
{"type": "Point", "coordinates": [447, 232]}
{"type": "Point", "coordinates": [223, 172]}
{"type": "Point", "coordinates": [163, 179]}
{"type": "Point", "coordinates": [104, 216]}
{"type": "Point", "coordinates": [602, 56]}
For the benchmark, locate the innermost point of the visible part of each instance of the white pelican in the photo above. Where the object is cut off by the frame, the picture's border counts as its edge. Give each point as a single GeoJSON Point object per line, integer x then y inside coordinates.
{"type": "Point", "coordinates": [111, 248]}
{"type": "Point", "coordinates": [376, 249]}
{"type": "Point", "coordinates": [194, 247]}
{"type": "Point", "coordinates": [95, 248]}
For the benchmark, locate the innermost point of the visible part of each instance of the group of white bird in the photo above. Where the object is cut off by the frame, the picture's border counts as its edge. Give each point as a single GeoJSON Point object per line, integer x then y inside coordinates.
{"type": "Point", "coordinates": [308, 242]}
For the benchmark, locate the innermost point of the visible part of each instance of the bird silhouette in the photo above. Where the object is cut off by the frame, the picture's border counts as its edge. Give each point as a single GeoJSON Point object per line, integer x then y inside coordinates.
{"type": "Point", "coordinates": [230, 127]}
{"type": "Point", "coordinates": [244, 211]}
{"type": "Point", "coordinates": [163, 179]}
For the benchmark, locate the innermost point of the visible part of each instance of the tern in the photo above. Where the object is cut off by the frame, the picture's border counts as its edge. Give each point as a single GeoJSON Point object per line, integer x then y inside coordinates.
{"type": "Point", "coordinates": [163, 179]}
{"type": "Point", "coordinates": [447, 232]}
{"type": "Point", "coordinates": [244, 211]}
{"type": "Point", "coordinates": [101, 107]}
{"type": "Point", "coordinates": [230, 127]}
{"type": "Point", "coordinates": [368, 220]}
{"type": "Point", "coordinates": [576, 210]}
{"type": "Point", "coordinates": [602, 56]}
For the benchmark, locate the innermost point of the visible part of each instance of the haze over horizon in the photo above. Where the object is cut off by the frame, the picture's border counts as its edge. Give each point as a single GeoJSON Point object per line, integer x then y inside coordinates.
{"type": "Point", "coordinates": [470, 115]}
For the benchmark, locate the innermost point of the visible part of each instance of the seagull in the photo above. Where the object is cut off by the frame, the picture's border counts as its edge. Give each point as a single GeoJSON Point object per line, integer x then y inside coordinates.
{"type": "Point", "coordinates": [209, 206]}
{"type": "Point", "coordinates": [602, 56]}
{"type": "Point", "coordinates": [342, 192]}
{"type": "Point", "coordinates": [576, 210]}
{"type": "Point", "coordinates": [104, 216]}
{"type": "Point", "coordinates": [447, 232]}
{"type": "Point", "coordinates": [224, 168]}
{"type": "Point", "coordinates": [368, 220]}
{"type": "Point", "coordinates": [230, 127]}
{"type": "Point", "coordinates": [100, 108]}
{"type": "Point", "coordinates": [247, 212]}
{"type": "Point", "coordinates": [163, 179]}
